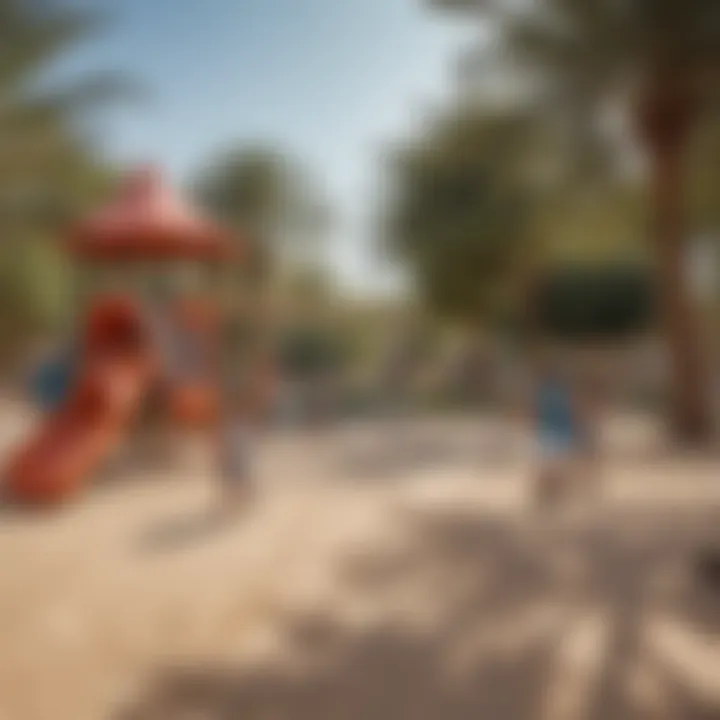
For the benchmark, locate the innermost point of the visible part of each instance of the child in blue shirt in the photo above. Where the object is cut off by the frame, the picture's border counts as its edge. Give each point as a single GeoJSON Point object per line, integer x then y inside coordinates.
{"type": "Point", "coordinates": [559, 428]}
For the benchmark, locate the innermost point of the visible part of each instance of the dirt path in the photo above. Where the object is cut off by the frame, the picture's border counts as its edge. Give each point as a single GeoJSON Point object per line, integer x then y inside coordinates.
{"type": "Point", "coordinates": [378, 577]}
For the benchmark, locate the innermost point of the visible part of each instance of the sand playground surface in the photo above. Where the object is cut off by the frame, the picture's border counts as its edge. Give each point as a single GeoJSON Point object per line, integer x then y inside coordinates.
{"type": "Point", "coordinates": [382, 572]}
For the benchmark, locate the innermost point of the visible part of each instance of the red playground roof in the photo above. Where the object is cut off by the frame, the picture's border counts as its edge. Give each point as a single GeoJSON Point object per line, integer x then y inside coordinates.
{"type": "Point", "coordinates": [148, 221]}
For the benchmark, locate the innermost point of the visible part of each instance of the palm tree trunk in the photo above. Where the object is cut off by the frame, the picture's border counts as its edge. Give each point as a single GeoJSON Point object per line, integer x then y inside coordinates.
{"type": "Point", "coordinates": [690, 414]}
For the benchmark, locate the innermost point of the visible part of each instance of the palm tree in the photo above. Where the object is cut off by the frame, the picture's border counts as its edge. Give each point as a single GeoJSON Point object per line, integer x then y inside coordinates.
{"type": "Point", "coordinates": [47, 171]}
{"type": "Point", "coordinates": [575, 61]}
{"type": "Point", "coordinates": [39, 141]}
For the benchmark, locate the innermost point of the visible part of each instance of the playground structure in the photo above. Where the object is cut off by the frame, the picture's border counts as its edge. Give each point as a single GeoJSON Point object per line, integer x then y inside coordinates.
{"type": "Point", "coordinates": [121, 363]}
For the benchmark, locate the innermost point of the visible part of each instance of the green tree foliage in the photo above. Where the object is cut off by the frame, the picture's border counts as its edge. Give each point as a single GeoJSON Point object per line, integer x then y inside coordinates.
{"type": "Point", "coordinates": [47, 173]}
{"type": "Point", "coordinates": [265, 197]}
{"type": "Point", "coordinates": [598, 227]}
{"type": "Point", "coordinates": [279, 222]}
{"type": "Point", "coordinates": [575, 61]}
{"type": "Point", "coordinates": [457, 216]}
{"type": "Point", "coordinates": [308, 352]}
{"type": "Point", "coordinates": [474, 217]}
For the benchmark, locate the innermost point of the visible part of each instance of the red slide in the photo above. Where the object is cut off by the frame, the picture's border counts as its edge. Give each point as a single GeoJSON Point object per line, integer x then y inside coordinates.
{"type": "Point", "coordinates": [74, 441]}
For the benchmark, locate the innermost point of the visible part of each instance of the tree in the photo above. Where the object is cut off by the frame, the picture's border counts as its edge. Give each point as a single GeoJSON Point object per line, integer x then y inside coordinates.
{"type": "Point", "coordinates": [457, 214]}
{"type": "Point", "coordinates": [45, 165]}
{"type": "Point", "coordinates": [657, 59]}
{"type": "Point", "coordinates": [265, 197]}
{"type": "Point", "coordinates": [47, 172]}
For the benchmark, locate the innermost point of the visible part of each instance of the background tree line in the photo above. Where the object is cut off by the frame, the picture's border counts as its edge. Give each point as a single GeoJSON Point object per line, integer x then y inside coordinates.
{"type": "Point", "coordinates": [51, 172]}
{"type": "Point", "coordinates": [598, 157]}
{"type": "Point", "coordinates": [599, 148]}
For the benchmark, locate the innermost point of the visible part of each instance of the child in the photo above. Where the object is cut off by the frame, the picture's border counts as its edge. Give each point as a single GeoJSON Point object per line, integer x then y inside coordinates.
{"type": "Point", "coordinates": [246, 409]}
{"type": "Point", "coordinates": [559, 430]}
{"type": "Point", "coordinates": [235, 451]}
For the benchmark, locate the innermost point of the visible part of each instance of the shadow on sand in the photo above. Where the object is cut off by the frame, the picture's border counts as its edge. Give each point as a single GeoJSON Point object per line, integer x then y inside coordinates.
{"type": "Point", "coordinates": [399, 452]}
{"type": "Point", "coordinates": [485, 651]}
{"type": "Point", "coordinates": [179, 533]}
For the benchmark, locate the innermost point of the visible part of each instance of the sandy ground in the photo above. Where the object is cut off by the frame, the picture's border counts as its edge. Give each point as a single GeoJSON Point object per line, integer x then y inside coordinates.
{"type": "Point", "coordinates": [383, 572]}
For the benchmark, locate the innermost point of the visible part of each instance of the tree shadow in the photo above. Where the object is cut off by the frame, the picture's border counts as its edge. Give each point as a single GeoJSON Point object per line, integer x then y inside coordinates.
{"type": "Point", "coordinates": [485, 652]}
{"type": "Point", "coordinates": [184, 531]}
{"type": "Point", "coordinates": [398, 453]}
{"type": "Point", "coordinates": [13, 510]}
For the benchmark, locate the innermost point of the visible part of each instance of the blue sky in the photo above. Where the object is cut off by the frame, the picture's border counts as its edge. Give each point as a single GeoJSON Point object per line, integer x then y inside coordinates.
{"type": "Point", "coordinates": [328, 80]}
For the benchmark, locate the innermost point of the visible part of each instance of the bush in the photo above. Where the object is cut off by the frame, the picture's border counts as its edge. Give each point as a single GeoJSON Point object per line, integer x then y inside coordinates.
{"type": "Point", "coordinates": [596, 303]}
{"type": "Point", "coordinates": [307, 353]}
